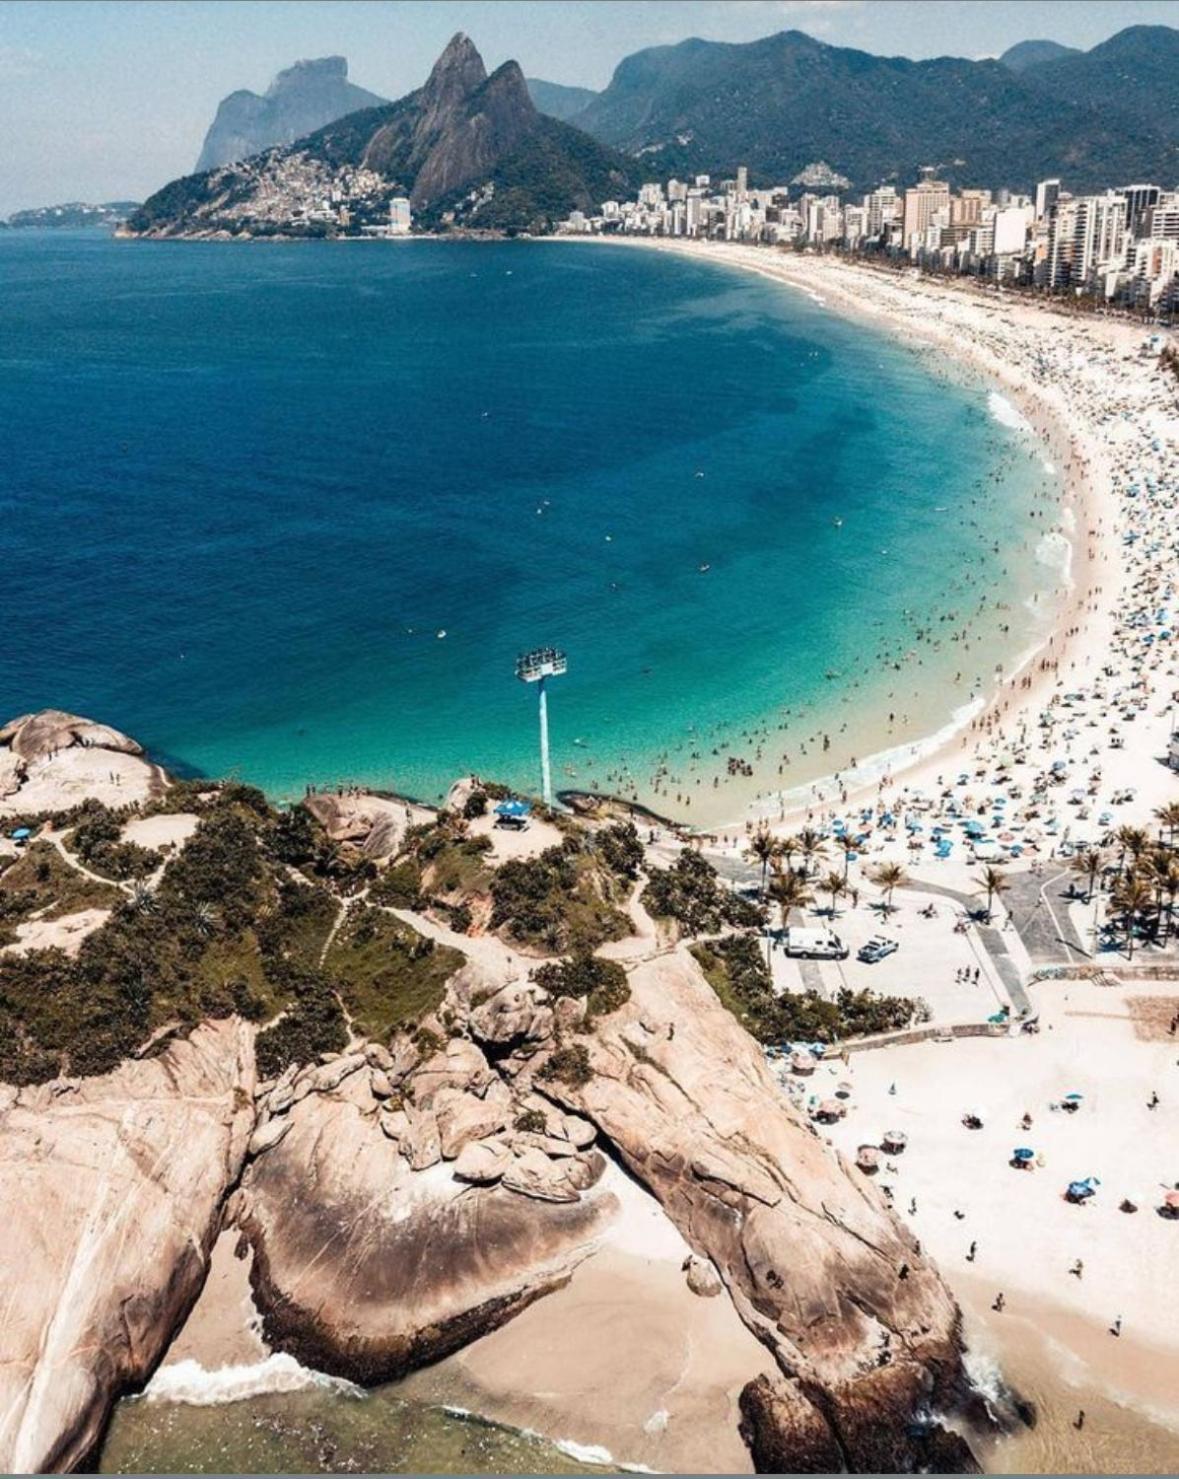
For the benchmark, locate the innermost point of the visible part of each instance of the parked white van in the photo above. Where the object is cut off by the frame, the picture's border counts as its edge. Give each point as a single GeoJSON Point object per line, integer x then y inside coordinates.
{"type": "Point", "coordinates": [813, 944]}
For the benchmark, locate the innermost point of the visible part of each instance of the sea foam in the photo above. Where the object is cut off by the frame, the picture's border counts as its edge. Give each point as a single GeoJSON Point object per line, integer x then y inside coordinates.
{"type": "Point", "coordinates": [188, 1381]}
{"type": "Point", "coordinates": [1005, 413]}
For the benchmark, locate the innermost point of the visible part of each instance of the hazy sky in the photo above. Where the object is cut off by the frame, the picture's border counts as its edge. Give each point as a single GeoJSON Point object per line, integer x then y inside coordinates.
{"type": "Point", "coordinates": [109, 99]}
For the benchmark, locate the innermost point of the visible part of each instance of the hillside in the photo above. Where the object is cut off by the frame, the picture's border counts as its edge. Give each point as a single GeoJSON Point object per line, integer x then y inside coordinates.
{"type": "Point", "coordinates": [468, 149]}
{"type": "Point", "coordinates": [558, 100]}
{"type": "Point", "coordinates": [73, 214]}
{"type": "Point", "coordinates": [1025, 54]}
{"type": "Point", "coordinates": [779, 103]}
{"type": "Point", "coordinates": [299, 100]}
{"type": "Point", "coordinates": [1133, 76]}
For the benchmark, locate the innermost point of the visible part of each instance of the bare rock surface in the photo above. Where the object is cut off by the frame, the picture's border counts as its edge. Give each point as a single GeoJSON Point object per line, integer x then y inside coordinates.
{"type": "Point", "coordinates": [119, 1182]}
{"type": "Point", "coordinates": [859, 1322]}
{"type": "Point", "coordinates": [366, 1268]}
{"type": "Point", "coordinates": [51, 761]}
{"type": "Point", "coordinates": [375, 824]}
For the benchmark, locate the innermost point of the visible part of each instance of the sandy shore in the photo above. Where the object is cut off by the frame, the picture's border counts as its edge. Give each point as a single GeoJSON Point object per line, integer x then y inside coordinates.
{"type": "Point", "coordinates": [1089, 397]}
{"type": "Point", "coordinates": [1053, 1333]}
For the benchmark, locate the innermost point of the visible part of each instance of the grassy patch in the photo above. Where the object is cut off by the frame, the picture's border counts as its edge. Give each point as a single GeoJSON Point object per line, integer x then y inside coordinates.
{"type": "Point", "coordinates": [42, 879]}
{"type": "Point", "coordinates": [387, 974]}
{"type": "Point", "coordinates": [562, 900]}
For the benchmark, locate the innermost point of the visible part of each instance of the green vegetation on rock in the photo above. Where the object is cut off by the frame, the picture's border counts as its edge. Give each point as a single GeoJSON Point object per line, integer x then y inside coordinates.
{"type": "Point", "coordinates": [736, 970]}
{"type": "Point", "coordinates": [387, 974]}
{"type": "Point", "coordinates": [691, 893]}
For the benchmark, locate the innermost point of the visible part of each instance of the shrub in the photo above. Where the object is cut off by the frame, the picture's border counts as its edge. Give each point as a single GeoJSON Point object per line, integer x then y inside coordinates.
{"type": "Point", "coordinates": [399, 886]}
{"type": "Point", "coordinates": [569, 1065]}
{"type": "Point", "coordinates": [313, 1024]}
{"type": "Point", "coordinates": [603, 983]}
{"type": "Point", "coordinates": [622, 849]}
{"type": "Point", "coordinates": [690, 893]}
{"type": "Point", "coordinates": [475, 805]}
{"type": "Point", "coordinates": [531, 1121]}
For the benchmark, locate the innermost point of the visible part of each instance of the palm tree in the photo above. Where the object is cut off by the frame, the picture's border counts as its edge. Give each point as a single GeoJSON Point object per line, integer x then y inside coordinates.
{"type": "Point", "coordinates": [1133, 899]}
{"type": "Point", "coordinates": [787, 847]}
{"type": "Point", "coordinates": [1088, 865]}
{"type": "Point", "coordinates": [887, 877]}
{"type": "Point", "coordinates": [1161, 873]}
{"type": "Point", "coordinates": [1132, 840]}
{"type": "Point", "coordinates": [834, 884]}
{"type": "Point", "coordinates": [810, 844]}
{"type": "Point", "coordinates": [763, 849]}
{"type": "Point", "coordinates": [993, 880]}
{"type": "Point", "coordinates": [789, 891]}
{"type": "Point", "coordinates": [849, 847]}
{"type": "Point", "coordinates": [1168, 815]}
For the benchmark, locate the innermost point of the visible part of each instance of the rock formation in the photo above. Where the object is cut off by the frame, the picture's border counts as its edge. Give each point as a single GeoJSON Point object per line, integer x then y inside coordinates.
{"type": "Point", "coordinates": [50, 761]}
{"type": "Point", "coordinates": [860, 1323]}
{"type": "Point", "coordinates": [389, 1231]}
{"type": "Point", "coordinates": [113, 1190]}
{"type": "Point", "coordinates": [299, 100]}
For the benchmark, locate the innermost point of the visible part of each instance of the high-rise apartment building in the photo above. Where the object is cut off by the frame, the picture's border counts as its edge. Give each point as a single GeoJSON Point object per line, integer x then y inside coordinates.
{"type": "Point", "coordinates": [921, 203]}
{"type": "Point", "coordinates": [1047, 194]}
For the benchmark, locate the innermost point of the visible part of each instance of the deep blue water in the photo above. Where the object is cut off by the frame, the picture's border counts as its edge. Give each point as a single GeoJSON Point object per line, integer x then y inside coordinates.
{"type": "Point", "coordinates": [242, 488]}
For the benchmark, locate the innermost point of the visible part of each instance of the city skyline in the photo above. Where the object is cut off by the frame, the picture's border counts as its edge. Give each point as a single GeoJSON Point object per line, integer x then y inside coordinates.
{"type": "Point", "coordinates": [110, 100]}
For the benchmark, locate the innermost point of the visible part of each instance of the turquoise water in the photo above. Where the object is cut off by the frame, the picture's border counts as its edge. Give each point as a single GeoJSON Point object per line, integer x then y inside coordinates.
{"type": "Point", "coordinates": [244, 489]}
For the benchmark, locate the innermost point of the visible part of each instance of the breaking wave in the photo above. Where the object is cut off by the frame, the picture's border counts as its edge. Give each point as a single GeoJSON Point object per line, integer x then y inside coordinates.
{"type": "Point", "coordinates": [188, 1381]}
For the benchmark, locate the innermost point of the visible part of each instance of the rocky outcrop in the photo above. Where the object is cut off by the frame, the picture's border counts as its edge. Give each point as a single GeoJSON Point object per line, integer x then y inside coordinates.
{"type": "Point", "coordinates": [372, 1253]}
{"type": "Point", "coordinates": [51, 761]}
{"type": "Point", "coordinates": [375, 824]}
{"type": "Point", "coordinates": [859, 1321]}
{"type": "Point", "coordinates": [113, 1190]}
{"type": "Point", "coordinates": [301, 99]}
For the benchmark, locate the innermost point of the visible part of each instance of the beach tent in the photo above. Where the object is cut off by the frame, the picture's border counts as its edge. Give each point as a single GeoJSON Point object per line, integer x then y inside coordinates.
{"type": "Point", "coordinates": [513, 809]}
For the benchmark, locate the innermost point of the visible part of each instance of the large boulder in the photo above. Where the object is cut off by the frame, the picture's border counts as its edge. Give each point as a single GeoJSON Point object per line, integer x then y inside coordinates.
{"type": "Point", "coordinates": [35, 736]}
{"type": "Point", "coordinates": [52, 761]}
{"type": "Point", "coordinates": [113, 1190]}
{"type": "Point", "coordinates": [375, 824]}
{"type": "Point", "coordinates": [366, 1268]}
{"type": "Point", "coordinates": [858, 1319]}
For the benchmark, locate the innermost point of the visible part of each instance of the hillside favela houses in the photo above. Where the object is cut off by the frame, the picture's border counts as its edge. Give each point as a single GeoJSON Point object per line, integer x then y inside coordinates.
{"type": "Point", "coordinates": [1119, 247]}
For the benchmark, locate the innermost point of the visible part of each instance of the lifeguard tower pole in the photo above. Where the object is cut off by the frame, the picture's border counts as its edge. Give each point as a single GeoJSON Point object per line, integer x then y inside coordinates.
{"type": "Point", "coordinates": [535, 667]}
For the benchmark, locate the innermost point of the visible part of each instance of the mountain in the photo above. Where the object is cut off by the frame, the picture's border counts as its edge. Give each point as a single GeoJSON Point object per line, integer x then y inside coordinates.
{"type": "Point", "coordinates": [782, 102]}
{"type": "Point", "coordinates": [557, 100]}
{"type": "Point", "coordinates": [299, 100]}
{"type": "Point", "coordinates": [1025, 54]}
{"type": "Point", "coordinates": [74, 213]}
{"type": "Point", "coordinates": [468, 149]}
{"type": "Point", "coordinates": [1133, 77]}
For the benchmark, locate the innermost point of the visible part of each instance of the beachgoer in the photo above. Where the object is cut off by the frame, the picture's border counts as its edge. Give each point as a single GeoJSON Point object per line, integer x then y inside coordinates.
{"type": "Point", "coordinates": [1080, 1420]}
{"type": "Point", "coordinates": [999, 1303]}
{"type": "Point", "coordinates": [1078, 1268]}
{"type": "Point", "coordinates": [973, 1251]}
{"type": "Point", "coordinates": [1116, 1327]}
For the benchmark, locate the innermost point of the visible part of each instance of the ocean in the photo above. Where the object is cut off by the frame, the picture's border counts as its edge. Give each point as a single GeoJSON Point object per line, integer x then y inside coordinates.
{"type": "Point", "coordinates": [289, 512]}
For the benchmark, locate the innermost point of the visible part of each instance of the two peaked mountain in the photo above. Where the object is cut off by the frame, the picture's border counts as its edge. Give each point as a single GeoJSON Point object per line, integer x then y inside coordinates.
{"type": "Point", "coordinates": [777, 104]}
{"type": "Point", "coordinates": [468, 149]}
{"type": "Point", "coordinates": [299, 100]}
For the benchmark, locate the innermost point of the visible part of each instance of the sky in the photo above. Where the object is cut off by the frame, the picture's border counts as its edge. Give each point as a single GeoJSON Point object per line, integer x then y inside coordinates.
{"type": "Point", "coordinates": [110, 99]}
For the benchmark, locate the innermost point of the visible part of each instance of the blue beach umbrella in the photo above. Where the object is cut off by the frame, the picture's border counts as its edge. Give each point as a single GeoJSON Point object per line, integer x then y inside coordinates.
{"type": "Point", "coordinates": [1023, 1154]}
{"type": "Point", "coordinates": [513, 809]}
{"type": "Point", "coordinates": [21, 834]}
{"type": "Point", "coordinates": [1074, 1097]}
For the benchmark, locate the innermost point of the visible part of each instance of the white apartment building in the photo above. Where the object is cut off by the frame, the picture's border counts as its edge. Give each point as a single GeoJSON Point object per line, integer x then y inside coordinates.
{"type": "Point", "coordinates": [1087, 237]}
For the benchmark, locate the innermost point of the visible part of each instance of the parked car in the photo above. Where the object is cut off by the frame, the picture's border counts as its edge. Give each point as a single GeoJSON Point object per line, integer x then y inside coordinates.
{"type": "Point", "coordinates": [813, 944]}
{"type": "Point", "coordinates": [876, 949]}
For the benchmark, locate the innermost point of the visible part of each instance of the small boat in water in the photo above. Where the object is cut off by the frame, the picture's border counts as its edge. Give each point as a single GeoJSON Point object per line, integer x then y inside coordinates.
{"type": "Point", "coordinates": [837, 521]}
{"type": "Point", "coordinates": [703, 569]}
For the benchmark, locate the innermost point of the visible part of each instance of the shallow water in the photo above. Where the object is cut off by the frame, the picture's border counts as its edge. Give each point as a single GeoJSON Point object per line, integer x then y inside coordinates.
{"type": "Point", "coordinates": [245, 489]}
{"type": "Point", "coordinates": [320, 1432]}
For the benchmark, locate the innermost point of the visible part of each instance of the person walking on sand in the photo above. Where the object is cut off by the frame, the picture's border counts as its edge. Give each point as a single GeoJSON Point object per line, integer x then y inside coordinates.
{"type": "Point", "coordinates": [973, 1251]}
{"type": "Point", "coordinates": [999, 1303]}
{"type": "Point", "coordinates": [1078, 1268]}
{"type": "Point", "coordinates": [1116, 1327]}
{"type": "Point", "coordinates": [1080, 1420]}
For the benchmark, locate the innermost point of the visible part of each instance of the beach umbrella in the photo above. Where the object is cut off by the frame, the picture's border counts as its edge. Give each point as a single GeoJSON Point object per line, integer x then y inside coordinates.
{"type": "Point", "coordinates": [1171, 1203]}
{"type": "Point", "coordinates": [894, 1140]}
{"type": "Point", "coordinates": [1023, 1153]}
{"type": "Point", "coordinates": [830, 1108]}
{"type": "Point", "coordinates": [867, 1158]}
{"type": "Point", "coordinates": [21, 834]}
{"type": "Point", "coordinates": [843, 1089]}
{"type": "Point", "coordinates": [1074, 1097]}
{"type": "Point", "coordinates": [513, 809]}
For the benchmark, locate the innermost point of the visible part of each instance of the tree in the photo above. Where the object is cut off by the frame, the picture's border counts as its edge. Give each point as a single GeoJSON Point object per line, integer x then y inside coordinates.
{"type": "Point", "coordinates": [1161, 874]}
{"type": "Point", "coordinates": [1132, 841]}
{"type": "Point", "coordinates": [994, 882]}
{"type": "Point", "coordinates": [849, 847]}
{"type": "Point", "coordinates": [889, 876]}
{"type": "Point", "coordinates": [1088, 865]}
{"type": "Point", "coordinates": [763, 848]}
{"type": "Point", "coordinates": [834, 884]}
{"type": "Point", "coordinates": [1133, 900]}
{"type": "Point", "coordinates": [789, 891]}
{"type": "Point", "coordinates": [810, 844]}
{"type": "Point", "coordinates": [1168, 815]}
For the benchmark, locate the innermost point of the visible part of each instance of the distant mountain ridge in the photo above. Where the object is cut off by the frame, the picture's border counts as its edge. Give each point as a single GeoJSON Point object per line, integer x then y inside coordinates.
{"type": "Point", "coordinates": [1025, 54]}
{"type": "Point", "coordinates": [778, 103]}
{"type": "Point", "coordinates": [466, 145]}
{"type": "Point", "coordinates": [557, 99]}
{"type": "Point", "coordinates": [301, 99]}
{"type": "Point", "coordinates": [73, 214]}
